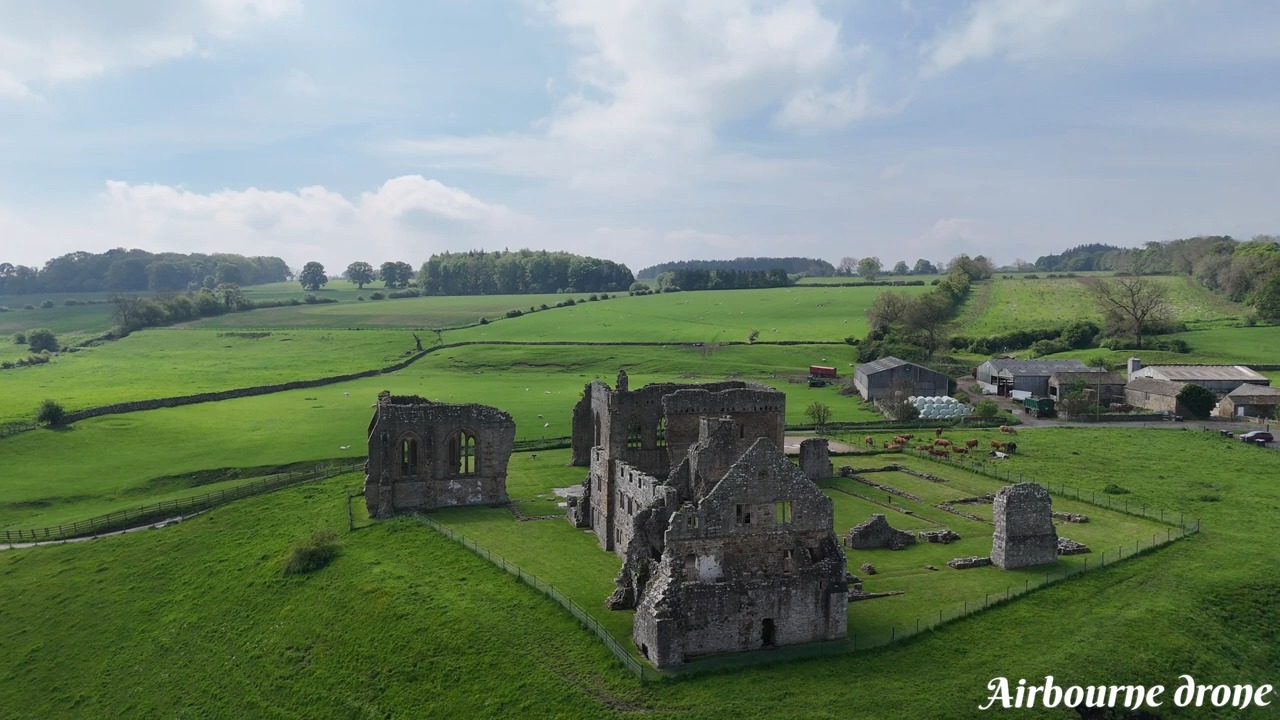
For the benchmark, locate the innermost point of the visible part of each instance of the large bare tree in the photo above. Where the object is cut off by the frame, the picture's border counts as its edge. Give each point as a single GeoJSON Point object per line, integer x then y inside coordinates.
{"type": "Point", "coordinates": [1132, 304]}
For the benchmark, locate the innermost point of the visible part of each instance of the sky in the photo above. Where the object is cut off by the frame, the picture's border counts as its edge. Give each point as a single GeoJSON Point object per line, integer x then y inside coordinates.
{"type": "Point", "coordinates": [639, 131]}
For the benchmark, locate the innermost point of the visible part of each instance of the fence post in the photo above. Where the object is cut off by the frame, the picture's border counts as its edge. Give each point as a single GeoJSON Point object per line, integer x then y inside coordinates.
{"type": "Point", "coordinates": [351, 521]}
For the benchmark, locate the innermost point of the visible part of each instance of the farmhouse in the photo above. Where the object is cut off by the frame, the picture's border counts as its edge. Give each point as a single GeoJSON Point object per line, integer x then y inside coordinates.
{"type": "Point", "coordinates": [875, 380]}
{"type": "Point", "coordinates": [1250, 401]}
{"type": "Point", "coordinates": [1109, 385]}
{"type": "Point", "coordinates": [1155, 395]}
{"type": "Point", "coordinates": [1221, 379]}
{"type": "Point", "coordinates": [425, 455]}
{"type": "Point", "coordinates": [1006, 377]}
{"type": "Point", "coordinates": [726, 544]}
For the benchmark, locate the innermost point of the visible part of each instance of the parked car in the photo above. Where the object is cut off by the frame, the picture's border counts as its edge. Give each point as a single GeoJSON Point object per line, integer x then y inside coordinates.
{"type": "Point", "coordinates": [1256, 435]}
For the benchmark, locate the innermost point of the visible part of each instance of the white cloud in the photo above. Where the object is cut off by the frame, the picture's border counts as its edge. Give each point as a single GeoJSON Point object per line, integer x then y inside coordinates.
{"type": "Point", "coordinates": [1021, 31]}
{"type": "Point", "coordinates": [406, 218]}
{"type": "Point", "coordinates": [55, 41]}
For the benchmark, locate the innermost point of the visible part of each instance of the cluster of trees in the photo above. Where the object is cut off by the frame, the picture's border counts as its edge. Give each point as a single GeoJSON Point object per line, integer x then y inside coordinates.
{"type": "Point", "coordinates": [698, 279]}
{"type": "Point", "coordinates": [871, 267]}
{"type": "Point", "coordinates": [521, 271]}
{"type": "Point", "coordinates": [393, 274]}
{"type": "Point", "coordinates": [121, 270]}
{"type": "Point", "coordinates": [913, 328]}
{"type": "Point", "coordinates": [811, 267]}
{"type": "Point", "coordinates": [1247, 272]}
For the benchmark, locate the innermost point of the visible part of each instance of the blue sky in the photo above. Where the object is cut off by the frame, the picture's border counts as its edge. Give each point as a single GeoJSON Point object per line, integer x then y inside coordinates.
{"type": "Point", "coordinates": [640, 131]}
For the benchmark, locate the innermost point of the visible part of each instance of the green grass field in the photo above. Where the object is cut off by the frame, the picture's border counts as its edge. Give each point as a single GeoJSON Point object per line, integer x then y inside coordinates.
{"type": "Point", "coordinates": [197, 620]}
{"type": "Point", "coordinates": [47, 484]}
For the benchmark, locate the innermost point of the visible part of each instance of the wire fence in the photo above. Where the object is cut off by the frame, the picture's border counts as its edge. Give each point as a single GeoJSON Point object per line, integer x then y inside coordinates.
{"type": "Point", "coordinates": [1104, 499]}
{"type": "Point", "coordinates": [857, 639]}
{"type": "Point", "coordinates": [132, 517]}
{"type": "Point", "coordinates": [635, 667]}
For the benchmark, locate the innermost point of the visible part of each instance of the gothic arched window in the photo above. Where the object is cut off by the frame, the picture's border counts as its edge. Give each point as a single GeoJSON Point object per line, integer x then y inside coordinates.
{"type": "Point", "coordinates": [464, 456]}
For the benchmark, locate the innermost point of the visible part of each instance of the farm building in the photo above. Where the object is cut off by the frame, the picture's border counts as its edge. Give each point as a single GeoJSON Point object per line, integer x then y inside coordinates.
{"type": "Point", "coordinates": [1108, 384]}
{"type": "Point", "coordinates": [1250, 401]}
{"type": "Point", "coordinates": [875, 379]}
{"type": "Point", "coordinates": [1024, 376]}
{"type": "Point", "coordinates": [1155, 395]}
{"type": "Point", "coordinates": [1221, 379]}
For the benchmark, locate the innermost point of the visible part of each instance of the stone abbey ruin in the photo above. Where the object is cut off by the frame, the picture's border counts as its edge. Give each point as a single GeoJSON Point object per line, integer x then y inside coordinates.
{"type": "Point", "coordinates": [425, 455]}
{"type": "Point", "coordinates": [726, 544]}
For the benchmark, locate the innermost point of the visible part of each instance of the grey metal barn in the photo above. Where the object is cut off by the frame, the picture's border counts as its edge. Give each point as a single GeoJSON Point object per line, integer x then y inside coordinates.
{"type": "Point", "coordinates": [874, 379]}
{"type": "Point", "coordinates": [1030, 376]}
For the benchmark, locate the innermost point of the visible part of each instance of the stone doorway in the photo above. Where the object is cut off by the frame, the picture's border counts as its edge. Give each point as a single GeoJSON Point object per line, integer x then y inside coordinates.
{"type": "Point", "coordinates": [766, 632]}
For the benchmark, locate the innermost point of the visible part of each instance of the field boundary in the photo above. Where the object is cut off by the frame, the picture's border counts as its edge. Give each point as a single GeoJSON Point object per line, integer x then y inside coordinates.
{"type": "Point", "coordinates": [122, 519]}
{"type": "Point", "coordinates": [855, 642]}
{"type": "Point", "coordinates": [256, 390]}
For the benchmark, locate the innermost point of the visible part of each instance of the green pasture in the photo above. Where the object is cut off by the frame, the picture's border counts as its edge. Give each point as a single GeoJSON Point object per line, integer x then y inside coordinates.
{"type": "Point", "coordinates": [1000, 305]}
{"type": "Point", "coordinates": [52, 476]}
{"type": "Point", "coordinates": [63, 320]}
{"type": "Point", "coordinates": [422, 313]}
{"type": "Point", "coordinates": [710, 316]}
{"type": "Point", "coordinates": [407, 623]}
{"type": "Point", "coordinates": [165, 362]}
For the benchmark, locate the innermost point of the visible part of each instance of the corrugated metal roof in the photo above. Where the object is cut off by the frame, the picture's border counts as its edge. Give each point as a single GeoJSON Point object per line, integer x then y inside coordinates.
{"type": "Point", "coordinates": [1192, 373]}
{"type": "Point", "coordinates": [884, 363]}
{"type": "Point", "coordinates": [1152, 386]}
{"type": "Point", "coordinates": [1016, 368]}
{"type": "Point", "coordinates": [1090, 376]}
{"type": "Point", "coordinates": [1258, 391]}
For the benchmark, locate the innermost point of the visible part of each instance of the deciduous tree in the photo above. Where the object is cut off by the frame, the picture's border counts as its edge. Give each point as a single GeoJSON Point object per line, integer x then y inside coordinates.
{"type": "Point", "coordinates": [311, 277]}
{"type": "Point", "coordinates": [1131, 305]}
{"type": "Point", "coordinates": [360, 273]}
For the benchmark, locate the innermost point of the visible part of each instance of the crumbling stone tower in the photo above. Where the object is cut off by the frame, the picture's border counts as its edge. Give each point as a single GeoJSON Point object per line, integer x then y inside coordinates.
{"type": "Point", "coordinates": [631, 440]}
{"type": "Point", "coordinates": [815, 459]}
{"type": "Point", "coordinates": [425, 455]}
{"type": "Point", "coordinates": [1024, 534]}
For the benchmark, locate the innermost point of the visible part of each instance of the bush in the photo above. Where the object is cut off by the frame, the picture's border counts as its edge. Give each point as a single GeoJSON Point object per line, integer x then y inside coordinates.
{"type": "Point", "coordinates": [1048, 347]}
{"type": "Point", "coordinates": [42, 339]}
{"type": "Point", "coordinates": [28, 307]}
{"type": "Point", "coordinates": [515, 313]}
{"type": "Point", "coordinates": [638, 286]}
{"type": "Point", "coordinates": [71, 302]}
{"type": "Point", "coordinates": [1198, 399]}
{"type": "Point", "coordinates": [1114, 489]}
{"type": "Point", "coordinates": [310, 299]}
{"type": "Point", "coordinates": [986, 409]}
{"type": "Point", "coordinates": [593, 298]}
{"type": "Point", "coordinates": [376, 296]}
{"type": "Point", "coordinates": [408, 293]}
{"type": "Point", "coordinates": [360, 298]}
{"type": "Point", "coordinates": [4, 308]}
{"type": "Point", "coordinates": [46, 304]}
{"type": "Point", "coordinates": [19, 338]}
{"type": "Point", "coordinates": [50, 413]}
{"type": "Point", "coordinates": [484, 321]}
{"type": "Point", "coordinates": [313, 553]}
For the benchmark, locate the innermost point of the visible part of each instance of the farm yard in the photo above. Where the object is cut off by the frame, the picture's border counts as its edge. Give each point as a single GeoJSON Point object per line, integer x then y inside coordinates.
{"type": "Point", "coordinates": [199, 608]}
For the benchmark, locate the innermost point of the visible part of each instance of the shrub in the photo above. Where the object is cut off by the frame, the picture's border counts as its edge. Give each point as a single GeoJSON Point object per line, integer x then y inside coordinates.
{"type": "Point", "coordinates": [408, 293]}
{"type": "Point", "coordinates": [19, 338]}
{"type": "Point", "coordinates": [484, 321]}
{"type": "Point", "coordinates": [638, 286]}
{"type": "Point", "coordinates": [28, 307]}
{"type": "Point", "coordinates": [986, 409]}
{"type": "Point", "coordinates": [360, 298]}
{"type": "Point", "coordinates": [71, 302]}
{"type": "Point", "coordinates": [42, 339]}
{"type": "Point", "coordinates": [515, 313]}
{"type": "Point", "coordinates": [7, 365]}
{"type": "Point", "coordinates": [376, 296]}
{"type": "Point", "coordinates": [1198, 399]}
{"type": "Point", "coordinates": [604, 296]}
{"type": "Point", "coordinates": [310, 299]}
{"type": "Point", "coordinates": [50, 413]}
{"type": "Point", "coordinates": [963, 397]}
{"type": "Point", "coordinates": [312, 553]}
{"type": "Point", "coordinates": [593, 298]}
{"type": "Point", "coordinates": [544, 306]}
{"type": "Point", "coordinates": [46, 304]}
{"type": "Point", "coordinates": [1114, 489]}
{"type": "Point", "coordinates": [4, 308]}
{"type": "Point", "coordinates": [1049, 347]}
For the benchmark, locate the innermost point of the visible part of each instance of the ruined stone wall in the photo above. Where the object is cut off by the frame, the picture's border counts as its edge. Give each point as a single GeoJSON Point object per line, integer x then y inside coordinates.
{"type": "Point", "coordinates": [1024, 534]}
{"type": "Point", "coordinates": [759, 412]}
{"type": "Point", "coordinates": [415, 457]}
{"type": "Point", "coordinates": [753, 563]}
{"type": "Point", "coordinates": [815, 459]}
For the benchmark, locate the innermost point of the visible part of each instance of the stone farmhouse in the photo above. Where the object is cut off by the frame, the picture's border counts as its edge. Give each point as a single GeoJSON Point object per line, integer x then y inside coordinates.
{"type": "Point", "coordinates": [1007, 376]}
{"type": "Point", "coordinates": [1221, 379]}
{"type": "Point", "coordinates": [425, 455]}
{"type": "Point", "coordinates": [726, 544]}
{"type": "Point", "coordinates": [1250, 401]}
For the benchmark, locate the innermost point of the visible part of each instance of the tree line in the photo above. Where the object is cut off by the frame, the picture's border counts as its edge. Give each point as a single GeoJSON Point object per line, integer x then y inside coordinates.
{"type": "Point", "coordinates": [1242, 271]}
{"type": "Point", "coordinates": [121, 270]}
{"type": "Point", "coordinates": [811, 267]}
{"type": "Point", "coordinates": [871, 267]}
{"type": "Point", "coordinates": [727, 279]}
{"type": "Point", "coordinates": [913, 328]}
{"type": "Point", "coordinates": [518, 272]}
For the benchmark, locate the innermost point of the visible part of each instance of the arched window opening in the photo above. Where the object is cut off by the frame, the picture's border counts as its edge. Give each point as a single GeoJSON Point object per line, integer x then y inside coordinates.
{"type": "Point", "coordinates": [662, 432]}
{"type": "Point", "coordinates": [634, 439]}
{"type": "Point", "coordinates": [464, 456]}
{"type": "Point", "coordinates": [409, 456]}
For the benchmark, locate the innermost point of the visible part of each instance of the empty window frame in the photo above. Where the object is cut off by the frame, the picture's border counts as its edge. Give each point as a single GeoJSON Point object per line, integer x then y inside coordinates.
{"type": "Point", "coordinates": [463, 453]}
